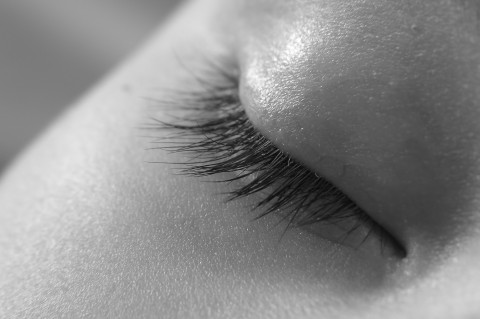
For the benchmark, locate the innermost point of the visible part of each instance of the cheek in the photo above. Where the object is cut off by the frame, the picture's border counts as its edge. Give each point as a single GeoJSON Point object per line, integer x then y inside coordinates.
{"type": "Point", "coordinates": [210, 255]}
{"type": "Point", "coordinates": [104, 228]}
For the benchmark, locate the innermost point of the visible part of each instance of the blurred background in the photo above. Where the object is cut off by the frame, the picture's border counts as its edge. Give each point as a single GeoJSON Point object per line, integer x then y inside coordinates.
{"type": "Point", "coordinates": [51, 51]}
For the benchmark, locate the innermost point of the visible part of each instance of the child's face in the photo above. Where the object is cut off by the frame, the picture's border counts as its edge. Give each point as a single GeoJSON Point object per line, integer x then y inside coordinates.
{"type": "Point", "coordinates": [381, 98]}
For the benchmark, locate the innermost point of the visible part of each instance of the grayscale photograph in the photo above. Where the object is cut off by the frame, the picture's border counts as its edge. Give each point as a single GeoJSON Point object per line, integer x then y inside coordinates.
{"type": "Point", "coordinates": [304, 159]}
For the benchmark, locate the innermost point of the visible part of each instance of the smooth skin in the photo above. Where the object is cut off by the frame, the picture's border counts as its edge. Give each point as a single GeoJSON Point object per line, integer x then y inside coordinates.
{"type": "Point", "coordinates": [381, 97]}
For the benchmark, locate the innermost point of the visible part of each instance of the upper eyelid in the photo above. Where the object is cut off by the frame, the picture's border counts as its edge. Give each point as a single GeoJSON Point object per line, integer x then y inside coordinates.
{"type": "Point", "coordinates": [218, 98]}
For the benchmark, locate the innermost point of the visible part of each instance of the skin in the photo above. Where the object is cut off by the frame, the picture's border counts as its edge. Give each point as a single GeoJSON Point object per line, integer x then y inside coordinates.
{"type": "Point", "coordinates": [381, 97]}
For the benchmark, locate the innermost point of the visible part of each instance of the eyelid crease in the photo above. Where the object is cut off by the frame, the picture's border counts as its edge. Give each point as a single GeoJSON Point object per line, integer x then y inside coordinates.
{"type": "Point", "coordinates": [216, 135]}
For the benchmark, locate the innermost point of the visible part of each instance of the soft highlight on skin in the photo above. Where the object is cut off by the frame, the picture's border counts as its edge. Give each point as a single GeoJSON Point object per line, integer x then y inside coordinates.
{"type": "Point", "coordinates": [89, 228]}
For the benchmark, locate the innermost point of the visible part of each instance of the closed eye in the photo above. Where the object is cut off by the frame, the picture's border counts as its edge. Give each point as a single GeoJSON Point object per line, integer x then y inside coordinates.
{"type": "Point", "coordinates": [214, 132]}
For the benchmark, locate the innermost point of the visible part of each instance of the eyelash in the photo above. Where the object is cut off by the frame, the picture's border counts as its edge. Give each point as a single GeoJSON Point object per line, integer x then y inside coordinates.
{"type": "Point", "coordinates": [217, 137]}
